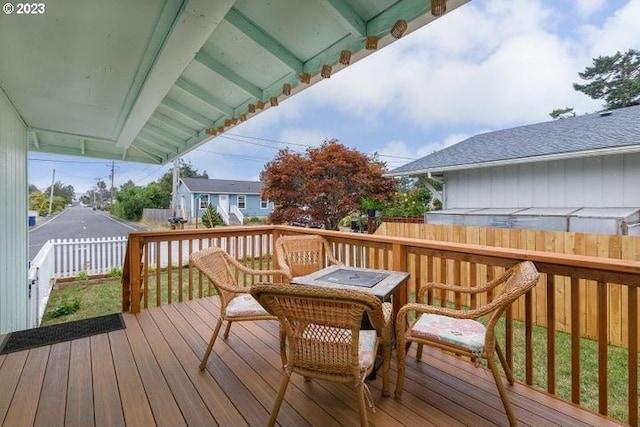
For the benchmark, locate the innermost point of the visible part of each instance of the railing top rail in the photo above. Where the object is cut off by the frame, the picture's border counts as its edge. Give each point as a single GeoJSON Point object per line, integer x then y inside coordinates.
{"type": "Point", "coordinates": [550, 261]}
{"type": "Point", "coordinates": [578, 261]}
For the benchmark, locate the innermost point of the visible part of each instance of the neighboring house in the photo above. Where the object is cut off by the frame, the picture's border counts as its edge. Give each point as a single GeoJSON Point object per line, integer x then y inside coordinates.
{"type": "Point", "coordinates": [233, 199]}
{"type": "Point", "coordinates": [575, 174]}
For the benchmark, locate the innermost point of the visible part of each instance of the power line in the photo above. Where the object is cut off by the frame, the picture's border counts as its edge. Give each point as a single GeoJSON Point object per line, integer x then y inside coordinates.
{"type": "Point", "coordinates": [228, 136]}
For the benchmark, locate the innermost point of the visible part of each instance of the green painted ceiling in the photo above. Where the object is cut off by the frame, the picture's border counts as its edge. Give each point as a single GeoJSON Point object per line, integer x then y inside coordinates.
{"type": "Point", "coordinates": [149, 80]}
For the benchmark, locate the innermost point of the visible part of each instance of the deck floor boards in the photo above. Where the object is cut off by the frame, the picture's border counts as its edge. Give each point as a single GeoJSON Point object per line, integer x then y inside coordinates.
{"type": "Point", "coordinates": [148, 375]}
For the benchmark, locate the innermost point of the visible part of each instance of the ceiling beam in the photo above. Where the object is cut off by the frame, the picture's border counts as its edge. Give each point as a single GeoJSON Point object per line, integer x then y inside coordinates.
{"type": "Point", "coordinates": [156, 136]}
{"type": "Point", "coordinates": [147, 152]}
{"type": "Point", "coordinates": [346, 16]}
{"type": "Point", "coordinates": [194, 90]}
{"type": "Point", "coordinates": [264, 40]}
{"type": "Point", "coordinates": [161, 133]}
{"type": "Point", "coordinates": [187, 112]}
{"type": "Point", "coordinates": [173, 123]}
{"type": "Point", "coordinates": [72, 135]}
{"type": "Point", "coordinates": [161, 150]}
{"type": "Point", "coordinates": [229, 75]}
{"type": "Point", "coordinates": [196, 22]}
{"type": "Point", "coordinates": [406, 9]}
{"type": "Point", "coordinates": [34, 137]}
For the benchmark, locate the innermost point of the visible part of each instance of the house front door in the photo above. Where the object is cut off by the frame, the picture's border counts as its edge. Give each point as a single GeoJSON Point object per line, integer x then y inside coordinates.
{"type": "Point", "coordinates": [224, 202]}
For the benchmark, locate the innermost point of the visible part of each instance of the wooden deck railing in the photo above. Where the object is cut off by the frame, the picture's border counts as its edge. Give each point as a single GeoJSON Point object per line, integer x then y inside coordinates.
{"type": "Point", "coordinates": [158, 272]}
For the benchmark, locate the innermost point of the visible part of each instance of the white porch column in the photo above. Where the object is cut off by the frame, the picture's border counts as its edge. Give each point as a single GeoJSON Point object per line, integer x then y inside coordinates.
{"type": "Point", "coordinates": [14, 255]}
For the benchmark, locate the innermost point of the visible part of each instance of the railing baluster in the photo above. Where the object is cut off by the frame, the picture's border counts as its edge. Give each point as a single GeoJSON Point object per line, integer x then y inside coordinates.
{"type": "Point", "coordinates": [551, 334]}
{"type": "Point", "coordinates": [603, 345]}
{"type": "Point", "coordinates": [528, 337]}
{"type": "Point", "coordinates": [158, 246]}
{"type": "Point", "coordinates": [575, 340]}
{"type": "Point", "coordinates": [632, 354]}
{"type": "Point", "coordinates": [145, 277]}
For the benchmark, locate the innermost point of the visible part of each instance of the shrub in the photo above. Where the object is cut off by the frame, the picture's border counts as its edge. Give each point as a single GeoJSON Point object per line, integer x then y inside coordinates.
{"type": "Point", "coordinates": [211, 218]}
{"type": "Point", "coordinates": [83, 275]}
{"type": "Point", "coordinates": [408, 204]}
{"type": "Point", "coordinates": [115, 272]}
{"type": "Point", "coordinates": [66, 307]}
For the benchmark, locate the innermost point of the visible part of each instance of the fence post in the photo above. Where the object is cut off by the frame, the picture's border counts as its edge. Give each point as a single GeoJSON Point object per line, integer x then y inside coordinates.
{"type": "Point", "coordinates": [131, 282]}
{"type": "Point", "coordinates": [399, 263]}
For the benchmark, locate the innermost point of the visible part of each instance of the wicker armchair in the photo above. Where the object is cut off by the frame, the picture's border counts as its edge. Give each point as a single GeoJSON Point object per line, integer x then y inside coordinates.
{"type": "Point", "coordinates": [459, 331]}
{"type": "Point", "coordinates": [322, 328]}
{"type": "Point", "coordinates": [236, 303]}
{"type": "Point", "coordinates": [302, 255]}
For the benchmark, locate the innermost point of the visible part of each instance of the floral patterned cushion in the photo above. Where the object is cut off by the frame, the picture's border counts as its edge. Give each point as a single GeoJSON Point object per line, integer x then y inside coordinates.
{"type": "Point", "coordinates": [366, 341]}
{"type": "Point", "coordinates": [245, 305]}
{"type": "Point", "coordinates": [464, 333]}
{"type": "Point", "coordinates": [366, 348]}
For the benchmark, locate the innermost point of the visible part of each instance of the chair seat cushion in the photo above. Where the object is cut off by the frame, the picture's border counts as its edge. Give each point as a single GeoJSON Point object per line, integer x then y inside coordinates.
{"type": "Point", "coordinates": [463, 333]}
{"type": "Point", "coordinates": [245, 305]}
{"type": "Point", "coordinates": [366, 340]}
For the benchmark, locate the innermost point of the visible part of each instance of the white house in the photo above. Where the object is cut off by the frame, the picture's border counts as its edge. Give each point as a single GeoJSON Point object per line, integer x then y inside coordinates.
{"type": "Point", "coordinates": [576, 174]}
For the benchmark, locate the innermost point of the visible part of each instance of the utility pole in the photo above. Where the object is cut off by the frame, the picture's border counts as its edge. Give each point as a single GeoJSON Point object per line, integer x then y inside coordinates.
{"type": "Point", "coordinates": [174, 188]}
{"type": "Point", "coordinates": [112, 177]}
{"type": "Point", "coordinates": [53, 180]}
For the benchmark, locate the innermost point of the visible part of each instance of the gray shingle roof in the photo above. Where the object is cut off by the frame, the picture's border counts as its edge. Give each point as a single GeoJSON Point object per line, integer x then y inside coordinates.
{"type": "Point", "coordinates": [598, 131]}
{"type": "Point", "coordinates": [222, 186]}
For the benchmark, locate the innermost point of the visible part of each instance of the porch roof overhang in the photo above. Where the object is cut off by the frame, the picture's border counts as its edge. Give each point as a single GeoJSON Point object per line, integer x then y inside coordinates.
{"type": "Point", "coordinates": [149, 81]}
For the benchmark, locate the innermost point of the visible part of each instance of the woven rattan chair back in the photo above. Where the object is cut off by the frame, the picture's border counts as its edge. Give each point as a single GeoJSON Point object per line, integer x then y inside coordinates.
{"type": "Point", "coordinates": [322, 328]}
{"type": "Point", "coordinates": [302, 255]}
{"type": "Point", "coordinates": [224, 272]}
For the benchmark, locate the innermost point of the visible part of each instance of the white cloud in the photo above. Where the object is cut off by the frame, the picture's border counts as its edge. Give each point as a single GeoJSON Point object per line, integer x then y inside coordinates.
{"type": "Point", "coordinates": [589, 7]}
{"type": "Point", "coordinates": [495, 63]}
{"type": "Point", "coordinates": [620, 32]}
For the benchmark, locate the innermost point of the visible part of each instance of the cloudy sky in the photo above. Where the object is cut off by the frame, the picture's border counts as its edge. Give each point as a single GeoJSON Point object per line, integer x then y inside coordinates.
{"type": "Point", "coordinates": [489, 65]}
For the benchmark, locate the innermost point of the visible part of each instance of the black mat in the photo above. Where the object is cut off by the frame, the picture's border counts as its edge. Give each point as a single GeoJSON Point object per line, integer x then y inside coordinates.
{"type": "Point", "coordinates": [47, 335]}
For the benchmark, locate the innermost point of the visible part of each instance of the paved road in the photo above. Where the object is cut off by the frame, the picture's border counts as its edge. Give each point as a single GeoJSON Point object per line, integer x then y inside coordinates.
{"type": "Point", "coordinates": [74, 223]}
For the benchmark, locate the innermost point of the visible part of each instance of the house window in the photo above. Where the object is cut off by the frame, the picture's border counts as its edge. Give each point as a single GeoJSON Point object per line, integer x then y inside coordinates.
{"type": "Point", "coordinates": [242, 201]}
{"type": "Point", "coordinates": [204, 201]}
{"type": "Point", "coordinates": [264, 204]}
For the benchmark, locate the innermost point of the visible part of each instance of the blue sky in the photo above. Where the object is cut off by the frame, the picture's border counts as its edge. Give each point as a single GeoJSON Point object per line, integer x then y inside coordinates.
{"type": "Point", "coordinates": [489, 65]}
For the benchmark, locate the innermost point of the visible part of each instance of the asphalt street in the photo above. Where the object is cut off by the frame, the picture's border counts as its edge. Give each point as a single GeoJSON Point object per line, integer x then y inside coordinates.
{"type": "Point", "coordinates": [74, 223]}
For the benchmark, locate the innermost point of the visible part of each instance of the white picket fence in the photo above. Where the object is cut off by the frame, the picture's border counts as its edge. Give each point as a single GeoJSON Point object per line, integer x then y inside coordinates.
{"type": "Point", "coordinates": [68, 258]}
{"type": "Point", "coordinates": [92, 256]}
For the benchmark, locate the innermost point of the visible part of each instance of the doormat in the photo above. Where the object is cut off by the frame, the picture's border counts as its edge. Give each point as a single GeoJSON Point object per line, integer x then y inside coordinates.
{"type": "Point", "coordinates": [47, 335]}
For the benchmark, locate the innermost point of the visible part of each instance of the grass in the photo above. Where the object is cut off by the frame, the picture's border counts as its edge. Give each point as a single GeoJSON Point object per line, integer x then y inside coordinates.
{"type": "Point", "coordinates": [95, 299]}
{"type": "Point", "coordinates": [617, 368]}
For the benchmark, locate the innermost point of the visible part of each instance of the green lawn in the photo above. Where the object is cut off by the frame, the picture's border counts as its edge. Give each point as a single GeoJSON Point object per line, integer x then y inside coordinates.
{"type": "Point", "coordinates": [92, 300]}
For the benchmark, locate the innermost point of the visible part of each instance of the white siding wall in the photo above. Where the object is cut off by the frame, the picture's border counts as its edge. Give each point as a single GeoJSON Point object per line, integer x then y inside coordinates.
{"type": "Point", "coordinates": [14, 256]}
{"type": "Point", "coordinates": [603, 181]}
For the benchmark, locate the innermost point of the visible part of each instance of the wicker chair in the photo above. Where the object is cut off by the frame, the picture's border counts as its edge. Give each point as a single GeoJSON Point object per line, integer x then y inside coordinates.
{"type": "Point", "coordinates": [236, 303]}
{"type": "Point", "coordinates": [302, 255]}
{"type": "Point", "coordinates": [459, 331]}
{"type": "Point", "coordinates": [324, 339]}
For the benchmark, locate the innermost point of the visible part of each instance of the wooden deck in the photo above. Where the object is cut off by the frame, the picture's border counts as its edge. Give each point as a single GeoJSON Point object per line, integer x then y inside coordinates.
{"type": "Point", "coordinates": [148, 375]}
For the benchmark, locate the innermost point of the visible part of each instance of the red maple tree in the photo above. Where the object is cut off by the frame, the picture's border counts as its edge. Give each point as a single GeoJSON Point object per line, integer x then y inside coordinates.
{"type": "Point", "coordinates": [326, 183]}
